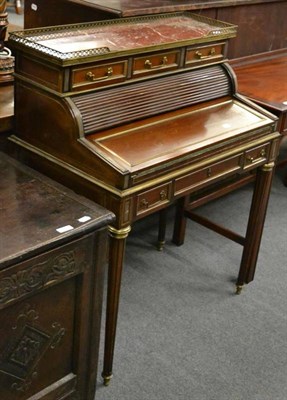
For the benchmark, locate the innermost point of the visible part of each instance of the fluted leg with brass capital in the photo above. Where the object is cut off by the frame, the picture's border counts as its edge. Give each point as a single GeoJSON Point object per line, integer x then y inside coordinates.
{"type": "Point", "coordinates": [162, 229]}
{"type": "Point", "coordinates": [180, 221]}
{"type": "Point", "coordinates": [255, 225]}
{"type": "Point", "coordinates": [117, 250]}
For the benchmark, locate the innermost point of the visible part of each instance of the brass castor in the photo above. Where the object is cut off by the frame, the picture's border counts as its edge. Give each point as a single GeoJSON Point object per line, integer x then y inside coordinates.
{"type": "Point", "coordinates": [239, 289]}
{"type": "Point", "coordinates": [160, 245]}
{"type": "Point", "coordinates": [107, 379]}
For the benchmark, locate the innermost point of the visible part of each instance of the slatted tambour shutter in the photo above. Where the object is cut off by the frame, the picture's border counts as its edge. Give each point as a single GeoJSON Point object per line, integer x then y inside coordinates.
{"type": "Point", "coordinates": [116, 106]}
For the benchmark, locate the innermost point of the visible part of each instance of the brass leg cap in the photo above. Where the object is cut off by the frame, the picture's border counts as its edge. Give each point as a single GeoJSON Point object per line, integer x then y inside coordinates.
{"type": "Point", "coordinates": [160, 245]}
{"type": "Point", "coordinates": [239, 289]}
{"type": "Point", "coordinates": [107, 379]}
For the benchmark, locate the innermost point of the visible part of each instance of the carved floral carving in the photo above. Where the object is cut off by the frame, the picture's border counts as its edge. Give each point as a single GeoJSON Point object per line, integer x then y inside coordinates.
{"type": "Point", "coordinates": [38, 276]}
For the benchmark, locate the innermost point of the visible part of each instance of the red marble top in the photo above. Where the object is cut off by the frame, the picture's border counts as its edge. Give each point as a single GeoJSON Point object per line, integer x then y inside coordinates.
{"type": "Point", "coordinates": [85, 40]}
{"type": "Point", "coordinates": [130, 35]}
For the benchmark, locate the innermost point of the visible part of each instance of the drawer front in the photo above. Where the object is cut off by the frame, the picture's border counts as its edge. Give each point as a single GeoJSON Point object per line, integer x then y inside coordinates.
{"type": "Point", "coordinates": [207, 174]}
{"type": "Point", "coordinates": [156, 63]}
{"type": "Point", "coordinates": [204, 54]}
{"type": "Point", "coordinates": [255, 156]}
{"type": "Point", "coordinates": [99, 75]}
{"type": "Point", "coordinates": [152, 199]}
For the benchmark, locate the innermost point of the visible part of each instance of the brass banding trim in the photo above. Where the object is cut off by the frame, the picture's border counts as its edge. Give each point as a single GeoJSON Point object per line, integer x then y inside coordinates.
{"type": "Point", "coordinates": [119, 233]}
{"type": "Point", "coordinates": [153, 182]}
{"type": "Point", "coordinates": [268, 167]}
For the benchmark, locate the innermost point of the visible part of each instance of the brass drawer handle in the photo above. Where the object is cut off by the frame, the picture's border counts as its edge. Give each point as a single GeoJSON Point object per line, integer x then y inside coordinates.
{"type": "Point", "coordinates": [252, 160]}
{"type": "Point", "coordinates": [90, 76]}
{"type": "Point", "coordinates": [145, 204]}
{"type": "Point", "coordinates": [163, 63]}
{"type": "Point", "coordinates": [210, 54]}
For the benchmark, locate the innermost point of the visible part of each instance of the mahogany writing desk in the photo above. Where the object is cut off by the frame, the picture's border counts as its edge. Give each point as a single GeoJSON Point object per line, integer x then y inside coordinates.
{"type": "Point", "coordinates": [136, 114]}
{"type": "Point", "coordinates": [52, 258]}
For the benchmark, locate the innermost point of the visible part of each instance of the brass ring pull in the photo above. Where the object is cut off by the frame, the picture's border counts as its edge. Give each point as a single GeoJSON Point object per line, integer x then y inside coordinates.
{"type": "Point", "coordinates": [210, 54]}
{"type": "Point", "coordinates": [90, 76]}
{"type": "Point", "coordinates": [163, 63]}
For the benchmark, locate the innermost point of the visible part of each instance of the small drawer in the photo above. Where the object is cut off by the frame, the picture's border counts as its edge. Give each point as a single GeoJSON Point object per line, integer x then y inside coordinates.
{"type": "Point", "coordinates": [99, 75]}
{"type": "Point", "coordinates": [156, 63]}
{"type": "Point", "coordinates": [153, 199]}
{"type": "Point", "coordinates": [257, 155]}
{"type": "Point", "coordinates": [207, 174]}
{"type": "Point", "coordinates": [204, 54]}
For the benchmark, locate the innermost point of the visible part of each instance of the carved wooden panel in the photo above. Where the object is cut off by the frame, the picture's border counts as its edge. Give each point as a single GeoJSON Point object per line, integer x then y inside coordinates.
{"type": "Point", "coordinates": [43, 330]}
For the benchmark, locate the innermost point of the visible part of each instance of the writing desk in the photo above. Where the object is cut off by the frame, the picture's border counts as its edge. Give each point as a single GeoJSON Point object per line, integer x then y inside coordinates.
{"type": "Point", "coordinates": [136, 114]}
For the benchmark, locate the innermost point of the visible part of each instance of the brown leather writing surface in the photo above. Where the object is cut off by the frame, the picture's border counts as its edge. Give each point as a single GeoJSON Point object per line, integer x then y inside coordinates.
{"type": "Point", "coordinates": [184, 132]}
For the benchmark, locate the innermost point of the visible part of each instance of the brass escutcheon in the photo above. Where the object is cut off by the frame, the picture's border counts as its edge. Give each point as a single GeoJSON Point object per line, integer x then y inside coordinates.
{"type": "Point", "coordinates": [263, 153]}
{"type": "Point", "coordinates": [163, 195]}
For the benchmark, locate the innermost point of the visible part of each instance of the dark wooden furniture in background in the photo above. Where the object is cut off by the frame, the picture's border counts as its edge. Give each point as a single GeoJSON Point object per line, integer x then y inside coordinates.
{"type": "Point", "coordinates": [136, 114]}
{"type": "Point", "coordinates": [17, 5]}
{"type": "Point", "coordinates": [52, 258]}
{"type": "Point", "coordinates": [261, 23]}
{"type": "Point", "coordinates": [263, 79]}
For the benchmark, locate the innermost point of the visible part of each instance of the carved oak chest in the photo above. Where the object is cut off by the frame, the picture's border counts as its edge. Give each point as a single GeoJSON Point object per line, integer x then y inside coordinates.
{"type": "Point", "coordinates": [52, 254]}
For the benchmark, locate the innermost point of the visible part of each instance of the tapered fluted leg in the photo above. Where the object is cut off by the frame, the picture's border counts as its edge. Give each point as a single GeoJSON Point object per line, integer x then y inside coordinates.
{"type": "Point", "coordinates": [161, 229]}
{"type": "Point", "coordinates": [180, 222]}
{"type": "Point", "coordinates": [255, 225]}
{"type": "Point", "coordinates": [117, 250]}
